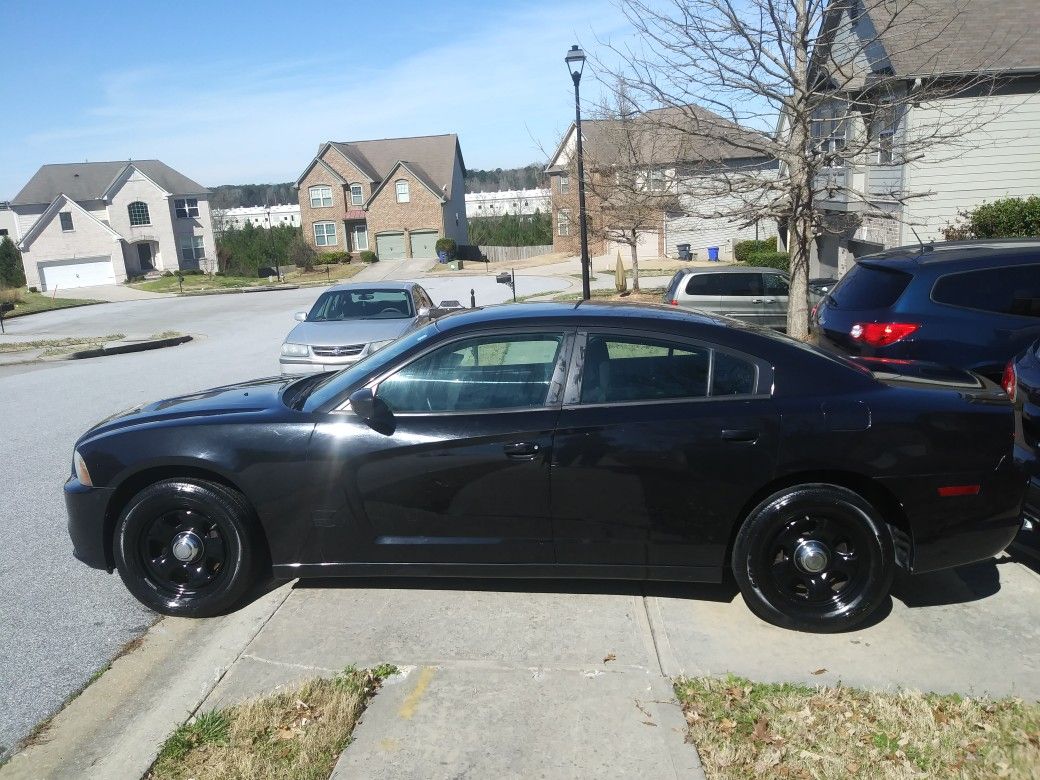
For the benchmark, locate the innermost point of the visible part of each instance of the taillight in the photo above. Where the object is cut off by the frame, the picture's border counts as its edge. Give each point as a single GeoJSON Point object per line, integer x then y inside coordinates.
{"type": "Point", "coordinates": [881, 334]}
{"type": "Point", "coordinates": [1010, 380]}
{"type": "Point", "coordinates": [673, 302]}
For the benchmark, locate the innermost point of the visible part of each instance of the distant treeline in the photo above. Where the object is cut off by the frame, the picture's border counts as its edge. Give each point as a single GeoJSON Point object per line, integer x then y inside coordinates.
{"type": "Point", "coordinates": [231, 196]}
{"type": "Point", "coordinates": [526, 178]}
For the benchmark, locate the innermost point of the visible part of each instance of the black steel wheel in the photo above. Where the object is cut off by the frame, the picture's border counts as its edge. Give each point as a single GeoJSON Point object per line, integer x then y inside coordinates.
{"type": "Point", "coordinates": [814, 557]}
{"type": "Point", "coordinates": [187, 547]}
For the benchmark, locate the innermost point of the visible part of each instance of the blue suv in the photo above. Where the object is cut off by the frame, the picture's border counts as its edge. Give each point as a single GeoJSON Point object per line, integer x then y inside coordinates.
{"type": "Point", "coordinates": [969, 304]}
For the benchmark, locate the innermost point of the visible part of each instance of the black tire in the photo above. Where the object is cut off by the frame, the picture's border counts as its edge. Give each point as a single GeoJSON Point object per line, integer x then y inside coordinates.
{"type": "Point", "coordinates": [778, 549]}
{"type": "Point", "coordinates": [214, 523]}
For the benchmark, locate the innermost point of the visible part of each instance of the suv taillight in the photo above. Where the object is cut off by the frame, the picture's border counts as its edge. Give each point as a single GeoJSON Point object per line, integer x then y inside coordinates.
{"type": "Point", "coordinates": [881, 334]}
{"type": "Point", "coordinates": [673, 302]}
{"type": "Point", "coordinates": [1010, 380]}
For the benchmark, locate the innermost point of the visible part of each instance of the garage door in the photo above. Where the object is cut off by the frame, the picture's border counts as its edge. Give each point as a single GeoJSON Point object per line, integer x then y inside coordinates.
{"type": "Point", "coordinates": [424, 243]}
{"type": "Point", "coordinates": [646, 246]}
{"type": "Point", "coordinates": [390, 246]}
{"type": "Point", "coordinates": [81, 272]}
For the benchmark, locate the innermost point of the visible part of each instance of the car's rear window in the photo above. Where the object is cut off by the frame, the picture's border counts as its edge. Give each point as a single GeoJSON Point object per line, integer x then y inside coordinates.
{"type": "Point", "coordinates": [869, 287]}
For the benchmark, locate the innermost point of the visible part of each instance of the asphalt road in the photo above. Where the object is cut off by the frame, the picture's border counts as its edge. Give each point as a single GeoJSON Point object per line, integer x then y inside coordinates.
{"type": "Point", "coordinates": [60, 621]}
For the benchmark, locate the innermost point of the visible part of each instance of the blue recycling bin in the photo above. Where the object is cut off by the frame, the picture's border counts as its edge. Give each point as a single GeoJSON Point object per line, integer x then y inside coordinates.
{"type": "Point", "coordinates": [713, 254]}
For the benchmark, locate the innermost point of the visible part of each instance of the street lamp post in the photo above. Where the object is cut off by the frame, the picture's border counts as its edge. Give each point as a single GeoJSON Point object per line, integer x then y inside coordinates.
{"type": "Point", "coordinates": [575, 60]}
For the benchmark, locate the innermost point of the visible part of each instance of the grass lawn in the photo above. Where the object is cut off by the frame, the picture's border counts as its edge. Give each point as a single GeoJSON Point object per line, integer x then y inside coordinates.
{"type": "Point", "coordinates": [170, 284]}
{"type": "Point", "coordinates": [59, 346]}
{"type": "Point", "coordinates": [336, 273]}
{"type": "Point", "coordinates": [754, 730]}
{"type": "Point", "coordinates": [296, 734]}
{"type": "Point", "coordinates": [26, 302]}
{"type": "Point", "coordinates": [651, 295]}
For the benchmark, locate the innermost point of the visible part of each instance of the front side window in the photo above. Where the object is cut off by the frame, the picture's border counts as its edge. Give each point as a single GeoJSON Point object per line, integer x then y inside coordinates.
{"type": "Point", "coordinates": [192, 248]}
{"type": "Point", "coordinates": [563, 222]}
{"type": "Point", "coordinates": [477, 374]}
{"type": "Point", "coordinates": [403, 195]}
{"type": "Point", "coordinates": [325, 233]}
{"type": "Point", "coordinates": [138, 212]}
{"type": "Point", "coordinates": [66, 220]}
{"type": "Point", "coordinates": [320, 197]}
{"type": "Point", "coordinates": [1013, 290]}
{"type": "Point", "coordinates": [621, 369]}
{"type": "Point", "coordinates": [186, 208]}
{"type": "Point", "coordinates": [357, 195]}
{"type": "Point", "coordinates": [360, 237]}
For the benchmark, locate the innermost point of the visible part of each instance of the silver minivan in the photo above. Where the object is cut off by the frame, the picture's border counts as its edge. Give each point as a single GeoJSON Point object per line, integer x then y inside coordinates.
{"type": "Point", "coordinates": [753, 294]}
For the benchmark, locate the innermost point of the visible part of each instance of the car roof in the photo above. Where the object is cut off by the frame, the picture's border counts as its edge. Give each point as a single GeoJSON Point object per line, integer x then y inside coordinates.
{"type": "Point", "coordinates": [550, 313]}
{"type": "Point", "coordinates": [734, 269]}
{"type": "Point", "coordinates": [954, 255]}
{"type": "Point", "coordinates": [373, 286]}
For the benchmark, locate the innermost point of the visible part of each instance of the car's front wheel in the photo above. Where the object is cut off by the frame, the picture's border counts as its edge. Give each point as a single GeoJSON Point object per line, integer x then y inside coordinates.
{"type": "Point", "coordinates": [814, 557]}
{"type": "Point", "coordinates": [187, 547]}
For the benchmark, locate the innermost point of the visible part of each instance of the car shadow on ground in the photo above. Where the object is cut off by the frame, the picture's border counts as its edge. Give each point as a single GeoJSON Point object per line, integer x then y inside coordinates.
{"type": "Point", "coordinates": [964, 584]}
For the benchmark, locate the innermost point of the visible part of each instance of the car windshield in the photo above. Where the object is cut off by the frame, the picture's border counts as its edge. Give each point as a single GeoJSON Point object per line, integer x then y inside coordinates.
{"type": "Point", "coordinates": [340, 305]}
{"type": "Point", "coordinates": [332, 385]}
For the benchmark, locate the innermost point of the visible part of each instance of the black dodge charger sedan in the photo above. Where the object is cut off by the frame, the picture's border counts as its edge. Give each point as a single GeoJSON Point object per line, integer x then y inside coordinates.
{"type": "Point", "coordinates": [561, 440]}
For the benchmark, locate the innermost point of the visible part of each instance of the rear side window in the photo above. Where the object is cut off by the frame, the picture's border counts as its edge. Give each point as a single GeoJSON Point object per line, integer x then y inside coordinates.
{"type": "Point", "coordinates": [703, 284]}
{"type": "Point", "coordinates": [869, 287]}
{"type": "Point", "coordinates": [1013, 290]}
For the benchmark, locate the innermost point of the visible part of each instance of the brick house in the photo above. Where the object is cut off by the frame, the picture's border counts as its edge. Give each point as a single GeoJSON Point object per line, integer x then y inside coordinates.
{"type": "Point", "coordinates": [394, 196]}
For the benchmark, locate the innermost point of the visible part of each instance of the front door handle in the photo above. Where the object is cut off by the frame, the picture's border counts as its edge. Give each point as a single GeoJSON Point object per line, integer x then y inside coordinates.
{"type": "Point", "coordinates": [522, 450]}
{"type": "Point", "coordinates": [745, 435]}
{"type": "Point", "coordinates": [763, 300]}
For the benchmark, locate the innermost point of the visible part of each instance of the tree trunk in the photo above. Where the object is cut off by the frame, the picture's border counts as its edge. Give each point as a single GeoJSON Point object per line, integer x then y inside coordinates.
{"type": "Point", "coordinates": [801, 180]}
{"type": "Point", "coordinates": [635, 263]}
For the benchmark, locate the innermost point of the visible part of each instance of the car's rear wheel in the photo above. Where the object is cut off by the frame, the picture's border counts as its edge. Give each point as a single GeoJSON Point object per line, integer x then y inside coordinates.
{"type": "Point", "coordinates": [187, 547]}
{"type": "Point", "coordinates": [815, 557]}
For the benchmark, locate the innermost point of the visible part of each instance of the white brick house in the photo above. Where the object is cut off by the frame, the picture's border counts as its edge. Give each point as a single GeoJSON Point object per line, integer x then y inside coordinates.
{"type": "Point", "coordinates": [84, 224]}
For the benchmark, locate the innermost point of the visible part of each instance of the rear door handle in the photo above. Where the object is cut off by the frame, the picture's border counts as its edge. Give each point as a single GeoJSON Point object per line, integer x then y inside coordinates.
{"type": "Point", "coordinates": [763, 300]}
{"type": "Point", "coordinates": [747, 435]}
{"type": "Point", "coordinates": [521, 450]}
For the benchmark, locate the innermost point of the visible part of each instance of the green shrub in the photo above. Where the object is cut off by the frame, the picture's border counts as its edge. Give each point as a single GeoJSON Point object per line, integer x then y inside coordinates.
{"type": "Point", "coordinates": [742, 249]}
{"type": "Point", "coordinates": [167, 273]}
{"type": "Point", "coordinates": [1005, 218]}
{"type": "Point", "coordinates": [132, 279]}
{"type": "Point", "coordinates": [331, 258]}
{"type": "Point", "coordinates": [34, 289]}
{"type": "Point", "coordinates": [190, 272]}
{"type": "Point", "coordinates": [302, 254]}
{"type": "Point", "coordinates": [446, 245]}
{"type": "Point", "coordinates": [219, 273]}
{"type": "Point", "coordinates": [770, 260]}
{"type": "Point", "coordinates": [368, 256]}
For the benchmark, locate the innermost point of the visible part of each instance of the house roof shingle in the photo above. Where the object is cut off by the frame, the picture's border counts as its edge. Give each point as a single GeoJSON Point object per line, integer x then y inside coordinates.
{"type": "Point", "coordinates": [431, 157]}
{"type": "Point", "coordinates": [88, 180]}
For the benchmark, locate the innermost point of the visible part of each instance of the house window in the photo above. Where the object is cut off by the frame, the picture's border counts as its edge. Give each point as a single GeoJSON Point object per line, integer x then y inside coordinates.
{"type": "Point", "coordinates": [565, 184]}
{"type": "Point", "coordinates": [321, 196]}
{"type": "Point", "coordinates": [884, 155]}
{"type": "Point", "coordinates": [360, 237]}
{"type": "Point", "coordinates": [66, 221]}
{"type": "Point", "coordinates": [138, 212]}
{"type": "Point", "coordinates": [325, 233]}
{"type": "Point", "coordinates": [403, 195]}
{"type": "Point", "coordinates": [357, 195]}
{"type": "Point", "coordinates": [656, 181]}
{"type": "Point", "coordinates": [186, 207]}
{"type": "Point", "coordinates": [192, 249]}
{"type": "Point", "coordinates": [563, 222]}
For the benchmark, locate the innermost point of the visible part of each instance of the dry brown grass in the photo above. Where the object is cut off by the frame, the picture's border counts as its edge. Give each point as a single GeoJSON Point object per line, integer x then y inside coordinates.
{"type": "Point", "coordinates": [296, 734]}
{"type": "Point", "coordinates": [751, 730]}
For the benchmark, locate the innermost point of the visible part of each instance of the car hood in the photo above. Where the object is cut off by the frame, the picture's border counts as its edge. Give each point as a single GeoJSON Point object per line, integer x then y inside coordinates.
{"type": "Point", "coordinates": [253, 396]}
{"type": "Point", "coordinates": [334, 334]}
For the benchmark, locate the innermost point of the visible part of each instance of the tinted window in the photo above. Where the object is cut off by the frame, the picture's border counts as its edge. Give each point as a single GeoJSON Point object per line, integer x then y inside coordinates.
{"type": "Point", "coordinates": [619, 368]}
{"type": "Point", "coordinates": [774, 284]}
{"type": "Point", "coordinates": [486, 372]}
{"type": "Point", "coordinates": [703, 284]}
{"type": "Point", "coordinates": [740, 284]}
{"type": "Point", "coordinates": [869, 287]}
{"type": "Point", "coordinates": [1003, 290]}
{"type": "Point", "coordinates": [338, 305]}
{"type": "Point", "coordinates": [733, 376]}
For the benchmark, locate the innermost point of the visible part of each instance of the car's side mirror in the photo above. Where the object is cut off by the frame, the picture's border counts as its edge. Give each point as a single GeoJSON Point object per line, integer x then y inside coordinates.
{"type": "Point", "coordinates": [424, 311]}
{"type": "Point", "coordinates": [300, 316]}
{"type": "Point", "coordinates": [368, 406]}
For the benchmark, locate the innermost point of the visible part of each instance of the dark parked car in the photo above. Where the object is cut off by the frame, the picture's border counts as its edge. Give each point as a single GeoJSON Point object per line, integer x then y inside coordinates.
{"type": "Point", "coordinates": [1022, 383]}
{"type": "Point", "coordinates": [969, 304]}
{"type": "Point", "coordinates": [560, 440]}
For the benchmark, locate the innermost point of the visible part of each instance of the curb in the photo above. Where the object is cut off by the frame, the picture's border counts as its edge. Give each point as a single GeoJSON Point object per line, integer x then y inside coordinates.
{"type": "Point", "coordinates": [237, 290]}
{"type": "Point", "coordinates": [58, 308]}
{"type": "Point", "coordinates": [122, 349]}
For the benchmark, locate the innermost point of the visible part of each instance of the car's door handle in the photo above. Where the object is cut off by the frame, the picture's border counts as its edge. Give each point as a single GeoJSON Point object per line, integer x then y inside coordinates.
{"type": "Point", "coordinates": [747, 435]}
{"type": "Point", "coordinates": [763, 300]}
{"type": "Point", "coordinates": [521, 450]}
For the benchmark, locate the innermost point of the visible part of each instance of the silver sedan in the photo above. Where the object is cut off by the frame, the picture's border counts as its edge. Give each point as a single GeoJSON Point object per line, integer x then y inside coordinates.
{"type": "Point", "coordinates": [351, 321]}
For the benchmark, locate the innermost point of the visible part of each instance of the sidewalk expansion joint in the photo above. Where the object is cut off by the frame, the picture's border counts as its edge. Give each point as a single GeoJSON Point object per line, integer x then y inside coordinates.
{"type": "Point", "coordinates": [286, 664]}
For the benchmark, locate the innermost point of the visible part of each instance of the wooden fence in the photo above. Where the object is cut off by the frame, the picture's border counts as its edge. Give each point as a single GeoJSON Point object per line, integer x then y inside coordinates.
{"type": "Point", "coordinates": [497, 254]}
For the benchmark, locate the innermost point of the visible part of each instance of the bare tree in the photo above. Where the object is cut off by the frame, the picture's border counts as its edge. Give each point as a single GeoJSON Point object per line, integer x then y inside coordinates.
{"type": "Point", "coordinates": [830, 85]}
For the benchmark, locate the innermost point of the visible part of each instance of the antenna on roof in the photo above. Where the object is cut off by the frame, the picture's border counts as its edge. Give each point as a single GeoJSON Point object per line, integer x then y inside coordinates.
{"type": "Point", "coordinates": [924, 248]}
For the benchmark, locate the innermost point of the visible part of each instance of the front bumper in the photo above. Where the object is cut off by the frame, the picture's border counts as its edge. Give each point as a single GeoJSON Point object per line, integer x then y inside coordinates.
{"type": "Point", "coordinates": [86, 507]}
{"type": "Point", "coordinates": [299, 367]}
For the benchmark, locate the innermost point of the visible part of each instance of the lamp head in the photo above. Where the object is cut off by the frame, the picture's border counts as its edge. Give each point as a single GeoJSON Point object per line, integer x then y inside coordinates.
{"type": "Point", "coordinates": [575, 60]}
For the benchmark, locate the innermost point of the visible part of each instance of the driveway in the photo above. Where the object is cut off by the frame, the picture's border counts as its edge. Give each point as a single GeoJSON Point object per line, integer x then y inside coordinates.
{"type": "Point", "coordinates": [108, 292]}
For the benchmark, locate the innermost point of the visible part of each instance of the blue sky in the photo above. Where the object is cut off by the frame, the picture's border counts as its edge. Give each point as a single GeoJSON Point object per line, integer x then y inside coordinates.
{"type": "Point", "coordinates": [230, 93]}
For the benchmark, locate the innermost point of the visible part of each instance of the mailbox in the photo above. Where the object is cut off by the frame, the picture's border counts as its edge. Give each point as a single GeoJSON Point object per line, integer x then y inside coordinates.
{"type": "Point", "coordinates": [504, 278]}
{"type": "Point", "coordinates": [6, 306]}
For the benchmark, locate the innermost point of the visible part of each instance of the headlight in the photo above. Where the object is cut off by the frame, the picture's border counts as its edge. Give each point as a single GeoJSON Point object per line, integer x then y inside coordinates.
{"type": "Point", "coordinates": [295, 350]}
{"type": "Point", "coordinates": [375, 346]}
{"type": "Point", "coordinates": [80, 466]}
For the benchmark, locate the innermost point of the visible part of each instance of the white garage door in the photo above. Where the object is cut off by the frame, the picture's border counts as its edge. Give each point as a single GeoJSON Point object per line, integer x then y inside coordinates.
{"type": "Point", "coordinates": [646, 247]}
{"type": "Point", "coordinates": [81, 272]}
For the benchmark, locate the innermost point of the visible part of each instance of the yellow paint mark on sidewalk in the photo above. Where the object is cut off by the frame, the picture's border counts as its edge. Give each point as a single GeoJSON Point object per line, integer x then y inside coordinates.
{"type": "Point", "coordinates": [408, 707]}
